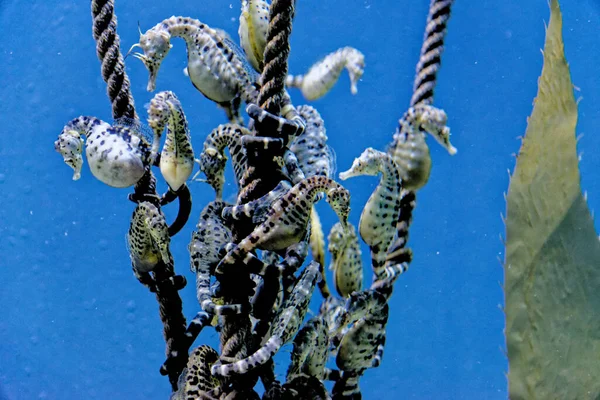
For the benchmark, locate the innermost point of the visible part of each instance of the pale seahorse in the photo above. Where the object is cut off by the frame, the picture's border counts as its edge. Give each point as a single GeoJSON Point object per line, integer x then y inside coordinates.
{"type": "Point", "coordinates": [346, 263]}
{"type": "Point", "coordinates": [213, 159]}
{"type": "Point", "coordinates": [377, 225]}
{"type": "Point", "coordinates": [117, 155]}
{"type": "Point", "coordinates": [177, 156]}
{"type": "Point", "coordinates": [196, 381]}
{"type": "Point", "coordinates": [287, 220]}
{"type": "Point", "coordinates": [214, 63]}
{"type": "Point", "coordinates": [284, 327]}
{"type": "Point", "coordinates": [253, 30]}
{"type": "Point", "coordinates": [254, 26]}
{"type": "Point", "coordinates": [148, 242]}
{"type": "Point", "coordinates": [321, 77]}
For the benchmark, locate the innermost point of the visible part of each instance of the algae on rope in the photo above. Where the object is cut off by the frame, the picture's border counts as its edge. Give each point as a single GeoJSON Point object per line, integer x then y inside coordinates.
{"type": "Point", "coordinates": [552, 265]}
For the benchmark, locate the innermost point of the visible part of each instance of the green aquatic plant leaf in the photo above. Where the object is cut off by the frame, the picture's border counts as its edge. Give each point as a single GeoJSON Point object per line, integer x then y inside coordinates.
{"type": "Point", "coordinates": [552, 266]}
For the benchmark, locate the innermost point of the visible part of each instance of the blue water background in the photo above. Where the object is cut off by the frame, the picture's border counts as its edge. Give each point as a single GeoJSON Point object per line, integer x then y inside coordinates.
{"type": "Point", "coordinates": [75, 323]}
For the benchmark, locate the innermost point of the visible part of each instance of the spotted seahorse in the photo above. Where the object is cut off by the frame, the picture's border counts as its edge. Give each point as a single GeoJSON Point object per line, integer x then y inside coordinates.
{"type": "Point", "coordinates": [288, 218]}
{"type": "Point", "coordinates": [117, 155]}
{"type": "Point", "coordinates": [254, 26]}
{"type": "Point", "coordinates": [409, 149]}
{"type": "Point", "coordinates": [284, 327]}
{"type": "Point", "coordinates": [213, 159]}
{"type": "Point", "coordinates": [210, 236]}
{"type": "Point", "coordinates": [177, 156]}
{"type": "Point", "coordinates": [377, 225]}
{"type": "Point", "coordinates": [345, 259]}
{"type": "Point", "coordinates": [321, 77]}
{"type": "Point", "coordinates": [361, 346]}
{"type": "Point", "coordinates": [196, 381]}
{"type": "Point", "coordinates": [214, 63]}
{"type": "Point", "coordinates": [148, 242]}
{"type": "Point", "coordinates": [315, 157]}
{"type": "Point", "coordinates": [311, 350]}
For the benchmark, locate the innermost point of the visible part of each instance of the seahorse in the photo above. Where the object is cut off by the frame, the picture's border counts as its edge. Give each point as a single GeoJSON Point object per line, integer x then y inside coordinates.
{"type": "Point", "coordinates": [332, 310]}
{"type": "Point", "coordinates": [361, 346]}
{"type": "Point", "coordinates": [311, 350]}
{"type": "Point", "coordinates": [196, 380]}
{"type": "Point", "coordinates": [148, 242]}
{"type": "Point", "coordinates": [284, 327]}
{"type": "Point", "coordinates": [254, 26]}
{"type": "Point", "coordinates": [177, 157]}
{"type": "Point", "coordinates": [321, 77]}
{"type": "Point", "coordinates": [315, 157]}
{"type": "Point", "coordinates": [214, 63]}
{"type": "Point", "coordinates": [409, 149]}
{"type": "Point", "coordinates": [213, 159]}
{"type": "Point", "coordinates": [210, 236]}
{"type": "Point", "coordinates": [377, 225]}
{"type": "Point", "coordinates": [117, 155]}
{"type": "Point", "coordinates": [345, 259]}
{"type": "Point", "coordinates": [287, 220]}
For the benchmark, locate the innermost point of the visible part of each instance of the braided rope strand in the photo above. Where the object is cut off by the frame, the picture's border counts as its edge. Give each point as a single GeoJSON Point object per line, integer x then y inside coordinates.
{"type": "Point", "coordinates": [119, 93]}
{"type": "Point", "coordinates": [431, 52]}
{"type": "Point", "coordinates": [423, 88]}
{"type": "Point", "coordinates": [276, 55]}
{"type": "Point", "coordinates": [109, 52]}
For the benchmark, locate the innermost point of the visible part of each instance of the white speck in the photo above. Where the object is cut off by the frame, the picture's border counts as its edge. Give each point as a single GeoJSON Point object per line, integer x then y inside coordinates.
{"type": "Point", "coordinates": [232, 19]}
{"type": "Point", "coordinates": [30, 212]}
{"type": "Point", "coordinates": [230, 5]}
{"type": "Point", "coordinates": [66, 233]}
{"type": "Point", "coordinates": [476, 62]}
{"type": "Point", "coordinates": [74, 222]}
{"type": "Point", "coordinates": [59, 53]}
{"type": "Point", "coordinates": [437, 252]}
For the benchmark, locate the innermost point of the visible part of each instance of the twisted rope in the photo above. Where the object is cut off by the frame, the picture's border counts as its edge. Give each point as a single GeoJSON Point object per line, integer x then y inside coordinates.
{"type": "Point", "coordinates": [276, 55]}
{"type": "Point", "coordinates": [431, 52]}
{"type": "Point", "coordinates": [109, 53]}
{"type": "Point", "coordinates": [260, 177]}
{"type": "Point", "coordinates": [119, 92]}
{"type": "Point", "coordinates": [423, 87]}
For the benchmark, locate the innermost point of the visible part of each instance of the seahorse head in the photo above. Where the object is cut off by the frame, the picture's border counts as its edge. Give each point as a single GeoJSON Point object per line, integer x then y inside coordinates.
{"type": "Point", "coordinates": [70, 145]}
{"type": "Point", "coordinates": [156, 45]}
{"type": "Point", "coordinates": [360, 304]}
{"type": "Point", "coordinates": [339, 199]}
{"type": "Point", "coordinates": [212, 163]}
{"type": "Point", "coordinates": [367, 164]}
{"type": "Point", "coordinates": [433, 121]}
{"type": "Point", "coordinates": [355, 66]}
